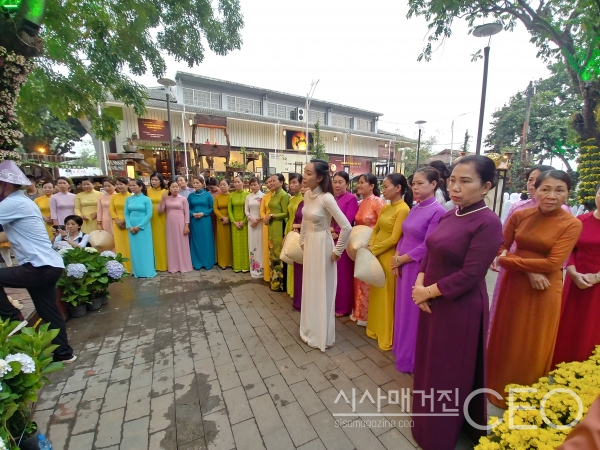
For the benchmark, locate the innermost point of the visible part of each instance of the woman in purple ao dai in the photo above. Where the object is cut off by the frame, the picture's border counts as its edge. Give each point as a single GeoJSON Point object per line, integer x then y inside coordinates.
{"type": "Point", "coordinates": [178, 229]}
{"type": "Point", "coordinates": [344, 298]}
{"type": "Point", "coordinates": [421, 221]}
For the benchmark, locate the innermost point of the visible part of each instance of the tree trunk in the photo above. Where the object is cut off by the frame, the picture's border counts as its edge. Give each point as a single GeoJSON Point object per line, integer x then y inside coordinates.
{"type": "Point", "coordinates": [586, 125]}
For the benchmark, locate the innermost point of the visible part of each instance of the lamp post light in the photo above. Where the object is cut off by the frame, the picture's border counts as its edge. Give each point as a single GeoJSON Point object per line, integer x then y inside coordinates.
{"type": "Point", "coordinates": [486, 30]}
{"type": "Point", "coordinates": [311, 92]}
{"type": "Point", "coordinates": [419, 122]}
{"type": "Point", "coordinates": [167, 83]}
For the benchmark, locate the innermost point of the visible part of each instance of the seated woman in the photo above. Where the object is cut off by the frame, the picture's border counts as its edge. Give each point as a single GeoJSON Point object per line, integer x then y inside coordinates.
{"type": "Point", "coordinates": [72, 233]}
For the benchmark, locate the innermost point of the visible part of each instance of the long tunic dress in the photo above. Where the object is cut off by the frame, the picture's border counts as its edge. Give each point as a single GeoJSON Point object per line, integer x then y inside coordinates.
{"type": "Point", "coordinates": [178, 244]}
{"type": "Point", "coordinates": [61, 206]}
{"type": "Point", "coordinates": [450, 349]}
{"type": "Point", "coordinates": [117, 211]}
{"type": "Point", "coordinates": [86, 203]}
{"type": "Point", "coordinates": [298, 269]}
{"type": "Point", "coordinates": [104, 212]}
{"type": "Point", "coordinates": [239, 238]}
{"type": "Point", "coordinates": [368, 213]}
{"type": "Point", "coordinates": [419, 224]}
{"type": "Point", "coordinates": [255, 234]}
{"type": "Point", "coordinates": [202, 241]}
{"type": "Point", "coordinates": [278, 207]}
{"type": "Point", "coordinates": [578, 332]}
{"type": "Point", "coordinates": [292, 208]}
{"type": "Point", "coordinates": [138, 213]}
{"type": "Point", "coordinates": [159, 230]}
{"type": "Point", "coordinates": [264, 210]}
{"type": "Point", "coordinates": [521, 204]}
{"type": "Point", "coordinates": [344, 298]}
{"type": "Point", "coordinates": [387, 233]}
{"type": "Point", "coordinates": [319, 280]}
{"type": "Point", "coordinates": [224, 247]}
{"type": "Point", "coordinates": [524, 330]}
{"type": "Point", "coordinates": [43, 202]}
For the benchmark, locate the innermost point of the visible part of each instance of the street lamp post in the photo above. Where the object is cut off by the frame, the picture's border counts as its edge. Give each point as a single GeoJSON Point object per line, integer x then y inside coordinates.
{"type": "Point", "coordinates": [419, 122]}
{"type": "Point", "coordinates": [487, 30]}
{"type": "Point", "coordinates": [311, 92]}
{"type": "Point", "coordinates": [167, 83]}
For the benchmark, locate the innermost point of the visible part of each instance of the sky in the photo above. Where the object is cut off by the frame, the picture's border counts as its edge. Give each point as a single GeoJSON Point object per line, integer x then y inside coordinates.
{"type": "Point", "coordinates": [364, 55]}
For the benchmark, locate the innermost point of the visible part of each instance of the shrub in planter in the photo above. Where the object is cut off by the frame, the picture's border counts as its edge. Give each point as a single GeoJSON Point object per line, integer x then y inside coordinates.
{"type": "Point", "coordinates": [88, 274]}
{"type": "Point", "coordinates": [25, 360]}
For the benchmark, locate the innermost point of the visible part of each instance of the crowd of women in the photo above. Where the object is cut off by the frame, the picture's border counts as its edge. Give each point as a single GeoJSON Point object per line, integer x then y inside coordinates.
{"type": "Point", "coordinates": [432, 312]}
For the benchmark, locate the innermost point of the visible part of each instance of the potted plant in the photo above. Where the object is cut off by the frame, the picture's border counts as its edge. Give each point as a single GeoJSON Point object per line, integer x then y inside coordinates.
{"type": "Point", "coordinates": [236, 167]}
{"type": "Point", "coordinates": [87, 276]}
{"type": "Point", "coordinates": [25, 361]}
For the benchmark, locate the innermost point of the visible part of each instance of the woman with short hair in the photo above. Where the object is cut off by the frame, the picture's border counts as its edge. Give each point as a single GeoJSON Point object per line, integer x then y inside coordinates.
{"type": "Point", "coordinates": [525, 326]}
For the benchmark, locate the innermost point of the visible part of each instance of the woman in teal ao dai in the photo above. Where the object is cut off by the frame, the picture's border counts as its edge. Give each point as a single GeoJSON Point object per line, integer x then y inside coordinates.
{"type": "Point", "coordinates": [202, 239]}
{"type": "Point", "coordinates": [138, 212]}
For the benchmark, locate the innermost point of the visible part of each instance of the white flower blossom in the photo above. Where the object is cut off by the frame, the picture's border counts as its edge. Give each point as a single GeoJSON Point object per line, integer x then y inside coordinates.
{"type": "Point", "coordinates": [27, 362]}
{"type": "Point", "coordinates": [2, 444]}
{"type": "Point", "coordinates": [64, 251]}
{"type": "Point", "coordinates": [108, 254]}
{"type": "Point", "coordinates": [90, 250]}
{"type": "Point", "coordinates": [59, 245]}
{"type": "Point", "coordinates": [4, 368]}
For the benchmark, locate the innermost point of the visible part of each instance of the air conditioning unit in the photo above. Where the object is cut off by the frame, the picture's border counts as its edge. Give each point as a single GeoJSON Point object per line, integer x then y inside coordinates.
{"type": "Point", "coordinates": [301, 115]}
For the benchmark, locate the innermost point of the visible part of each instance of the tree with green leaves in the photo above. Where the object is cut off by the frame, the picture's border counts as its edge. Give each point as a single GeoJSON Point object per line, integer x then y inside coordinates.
{"type": "Point", "coordinates": [550, 132]}
{"type": "Point", "coordinates": [54, 136]}
{"type": "Point", "coordinates": [465, 146]}
{"type": "Point", "coordinates": [317, 147]}
{"type": "Point", "coordinates": [87, 157]}
{"type": "Point", "coordinates": [562, 30]}
{"type": "Point", "coordinates": [86, 49]}
{"type": "Point", "coordinates": [425, 153]}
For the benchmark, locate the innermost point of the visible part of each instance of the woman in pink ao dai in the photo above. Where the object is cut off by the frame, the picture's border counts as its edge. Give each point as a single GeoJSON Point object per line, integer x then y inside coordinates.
{"type": "Point", "coordinates": [178, 229]}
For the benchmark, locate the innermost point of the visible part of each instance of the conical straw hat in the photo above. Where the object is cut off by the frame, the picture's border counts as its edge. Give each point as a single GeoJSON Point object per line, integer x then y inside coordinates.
{"type": "Point", "coordinates": [368, 269]}
{"type": "Point", "coordinates": [359, 238]}
{"type": "Point", "coordinates": [291, 251]}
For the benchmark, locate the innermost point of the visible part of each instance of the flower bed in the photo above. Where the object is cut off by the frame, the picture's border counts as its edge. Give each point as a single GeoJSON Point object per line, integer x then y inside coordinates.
{"type": "Point", "coordinates": [25, 360]}
{"type": "Point", "coordinates": [88, 273]}
{"type": "Point", "coordinates": [561, 408]}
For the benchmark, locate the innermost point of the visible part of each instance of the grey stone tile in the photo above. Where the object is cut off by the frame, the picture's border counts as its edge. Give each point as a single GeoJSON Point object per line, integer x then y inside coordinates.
{"type": "Point", "coordinates": [211, 398]}
{"type": "Point", "coordinates": [297, 424]}
{"type": "Point", "coordinates": [87, 416]}
{"type": "Point", "coordinates": [331, 435]}
{"type": "Point", "coordinates": [394, 440]}
{"type": "Point", "coordinates": [162, 412]}
{"type": "Point", "coordinates": [252, 383]}
{"type": "Point", "coordinates": [109, 428]}
{"type": "Point", "coordinates": [80, 442]}
{"type": "Point", "coordinates": [217, 431]}
{"type": "Point", "coordinates": [59, 434]}
{"type": "Point", "coordinates": [77, 381]}
{"type": "Point", "coordinates": [315, 377]}
{"type": "Point", "coordinates": [164, 440]}
{"type": "Point", "coordinates": [162, 382]}
{"type": "Point", "coordinates": [96, 387]}
{"type": "Point", "coordinates": [266, 415]}
{"type": "Point", "coordinates": [375, 373]}
{"type": "Point", "coordinates": [313, 445]}
{"type": "Point", "coordinates": [279, 390]}
{"type": "Point", "coordinates": [138, 403]}
{"type": "Point", "coordinates": [241, 359]}
{"type": "Point", "coordinates": [135, 434]}
{"type": "Point", "coordinates": [116, 396]}
{"type": "Point", "coordinates": [66, 407]}
{"type": "Point", "coordinates": [228, 376]}
{"type": "Point", "coordinates": [238, 406]}
{"type": "Point", "coordinates": [247, 436]}
{"type": "Point", "coordinates": [363, 437]}
{"type": "Point", "coordinates": [122, 370]}
{"type": "Point", "coordinates": [48, 397]}
{"type": "Point", "coordinates": [347, 366]}
{"type": "Point", "coordinates": [141, 375]}
{"type": "Point", "coordinates": [278, 440]}
{"type": "Point", "coordinates": [307, 398]}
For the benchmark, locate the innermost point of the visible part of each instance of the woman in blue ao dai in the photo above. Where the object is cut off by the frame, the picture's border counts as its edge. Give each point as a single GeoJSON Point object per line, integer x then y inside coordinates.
{"type": "Point", "coordinates": [138, 212]}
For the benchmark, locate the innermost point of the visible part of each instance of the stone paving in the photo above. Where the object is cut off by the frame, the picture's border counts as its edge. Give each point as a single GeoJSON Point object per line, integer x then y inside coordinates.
{"type": "Point", "coordinates": [213, 360]}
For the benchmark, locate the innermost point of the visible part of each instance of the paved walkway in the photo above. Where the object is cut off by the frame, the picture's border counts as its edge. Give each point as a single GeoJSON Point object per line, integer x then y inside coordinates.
{"type": "Point", "coordinates": [214, 360]}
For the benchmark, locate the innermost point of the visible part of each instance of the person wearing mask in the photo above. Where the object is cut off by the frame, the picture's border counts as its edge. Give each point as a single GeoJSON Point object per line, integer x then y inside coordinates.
{"type": "Point", "coordinates": [223, 234]}
{"type": "Point", "coordinates": [177, 211]}
{"type": "Point", "coordinates": [138, 215]}
{"type": "Point", "coordinates": [578, 331]}
{"type": "Point", "coordinates": [62, 203]}
{"type": "Point", "coordinates": [344, 298]}
{"type": "Point", "coordinates": [86, 205]}
{"type": "Point", "coordinates": [73, 234]}
{"type": "Point", "coordinates": [368, 213]}
{"type": "Point", "coordinates": [184, 190]}
{"type": "Point", "coordinates": [239, 228]}
{"type": "Point", "coordinates": [103, 218]}
{"type": "Point", "coordinates": [531, 176]}
{"type": "Point", "coordinates": [202, 241]}
{"type": "Point", "coordinates": [156, 193]}
{"type": "Point", "coordinates": [531, 289]}
{"type": "Point", "coordinates": [117, 213]}
{"type": "Point", "coordinates": [450, 291]}
{"type": "Point", "coordinates": [264, 211]}
{"type": "Point", "coordinates": [275, 220]}
{"type": "Point", "coordinates": [40, 267]}
{"type": "Point", "coordinates": [385, 237]}
{"type": "Point", "coordinates": [31, 191]}
{"type": "Point", "coordinates": [319, 279]}
{"type": "Point", "coordinates": [255, 234]}
{"type": "Point", "coordinates": [296, 197]}
{"type": "Point", "coordinates": [420, 223]}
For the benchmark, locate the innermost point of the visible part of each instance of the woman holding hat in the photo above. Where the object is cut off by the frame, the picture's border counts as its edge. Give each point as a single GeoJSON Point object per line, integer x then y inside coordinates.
{"type": "Point", "coordinates": [319, 280]}
{"type": "Point", "coordinates": [43, 202]}
{"type": "Point", "coordinates": [40, 267]}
